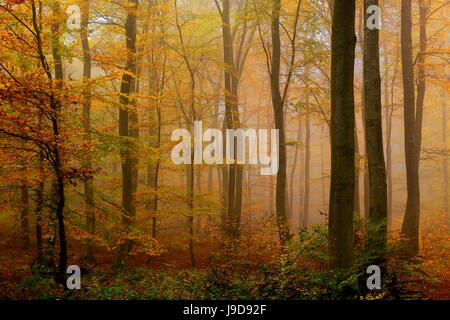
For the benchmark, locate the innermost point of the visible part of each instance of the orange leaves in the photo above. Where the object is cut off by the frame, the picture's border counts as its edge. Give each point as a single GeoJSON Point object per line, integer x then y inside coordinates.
{"type": "Point", "coordinates": [11, 2]}
{"type": "Point", "coordinates": [74, 174]}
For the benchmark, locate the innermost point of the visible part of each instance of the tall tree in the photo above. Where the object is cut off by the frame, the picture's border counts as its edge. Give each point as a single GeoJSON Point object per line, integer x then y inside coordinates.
{"type": "Point", "coordinates": [374, 134]}
{"type": "Point", "coordinates": [389, 108]}
{"type": "Point", "coordinates": [361, 27]}
{"type": "Point", "coordinates": [445, 174]}
{"type": "Point", "coordinates": [88, 184]}
{"type": "Point", "coordinates": [58, 183]}
{"type": "Point", "coordinates": [190, 117]}
{"type": "Point", "coordinates": [307, 149]}
{"type": "Point", "coordinates": [24, 212]}
{"type": "Point", "coordinates": [156, 83]}
{"type": "Point", "coordinates": [343, 42]}
{"type": "Point", "coordinates": [234, 58]}
{"type": "Point", "coordinates": [410, 227]}
{"type": "Point", "coordinates": [278, 103]}
{"type": "Point", "coordinates": [229, 121]}
{"type": "Point", "coordinates": [126, 89]}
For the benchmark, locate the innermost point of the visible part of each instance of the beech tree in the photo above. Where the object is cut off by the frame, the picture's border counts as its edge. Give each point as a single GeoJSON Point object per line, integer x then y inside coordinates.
{"type": "Point", "coordinates": [374, 134]}
{"type": "Point", "coordinates": [342, 134]}
{"type": "Point", "coordinates": [410, 227]}
{"type": "Point", "coordinates": [127, 114]}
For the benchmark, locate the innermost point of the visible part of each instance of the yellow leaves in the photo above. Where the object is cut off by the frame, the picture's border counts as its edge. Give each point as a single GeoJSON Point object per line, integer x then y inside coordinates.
{"type": "Point", "coordinates": [142, 243]}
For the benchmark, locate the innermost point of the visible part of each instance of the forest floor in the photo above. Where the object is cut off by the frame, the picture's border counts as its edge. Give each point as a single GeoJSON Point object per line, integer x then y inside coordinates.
{"type": "Point", "coordinates": [169, 276]}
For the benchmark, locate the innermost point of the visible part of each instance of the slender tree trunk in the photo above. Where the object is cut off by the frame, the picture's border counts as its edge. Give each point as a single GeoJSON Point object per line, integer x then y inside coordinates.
{"type": "Point", "coordinates": [210, 191]}
{"type": "Point", "coordinates": [191, 175]}
{"type": "Point", "coordinates": [410, 228]}
{"type": "Point", "coordinates": [249, 188]}
{"type": "Point", "coordinates": [342, 134]}
{"type": "Point", "coordinates": [278, 108]}
{"type": "Point", "coordinates": [271, 198]}
{"type": "Point", "coordinates": [156, 83]}
{"type": "Point", "coordinates": [307, 151]}
{"type": "Point", "coordinates": [445, 174]}
{"type": "Point", "coordinates": [421, 83]}
{"type": "Point", "coordinates": [294, 167]}
{"type": "Point", "coordinates": [374, 138]}
{"type": "Point", "coordinates": [356, 204]}
{"type": "Point", "coordinates": [125, 117]}
{"type": "Point", "coordinates": [234, 194]}
{"type": "Point", "coordinates": [322, 167]}
{"type": "Point", "coordinates": [38, 212]}
{"type": "Point", "coordinates": [301, 178]}
{"type": "Point", "coordinates": [388, 141]}
{"type": "Point", "coordinates": [24, 214]}
{"type": "Point", "coordinates": [39, 191]}
{"type": "Point", "coordinates": [154, 168]}
{"type": "Point", "coordinates": [190, 217]}
{"type": "Point", "coordinates": [387, 123]}
{"type": "Point", "coordinates": [199, 192]}
{"type": "Point", "coordinates": [89, 184]}
{"type": "Point", "coordinates": [58, 183]}
{"type": "Point", "coordinates": [365, 170]}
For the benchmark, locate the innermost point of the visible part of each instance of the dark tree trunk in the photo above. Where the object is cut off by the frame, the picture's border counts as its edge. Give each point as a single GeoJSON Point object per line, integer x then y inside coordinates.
{"type": "Point", "coordinates": [190, 217]}
{"type": "Point", "coordinates": [374, 138]}
{"type": "Point", "coordinates": [278, 108]}
{"type": "Point", "coordinates": [24, 214]}
{"type": "Point", "coordinates": [342, 134]}
{"type": "Point", "coordinates": [235, 173]}
{"type": "Point", "coordinates": [125, 117]}
{"type": "Point", "coordinates": [410, 227]}
{"type": "Point", "coordinates": [39, 191]}
{"type": "Point", "coordinates": [156, 83]}
{"type": "Point", "coordinates": [154, 168]}
{"type": "Point", "coordinates": [58, 184]}
{"type": "Point", "coordinates": [38, 212]}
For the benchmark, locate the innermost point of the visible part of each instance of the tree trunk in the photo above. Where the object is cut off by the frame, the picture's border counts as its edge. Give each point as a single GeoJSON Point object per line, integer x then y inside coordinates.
{"type": "Point", "coordinates": [388, 124]}
{"type": "Point", "coordinates": [365, 170]}
{"type": "Point", "coordinates": [38, 212]}
{"type": "Point", "coordinates": [342, 134]}
{"type": "Point", "coordinates": [307, 151]}
{"type": "Point", "coordinates": [39, 191]}
{"type": "Point", "coordinates": [24, 214]}
{"type": "Point", "coordinates": [199, 192]}
{"type": "Point", "coordinates": [88, 184]}
{"type": "Point", "coordinates": [190, 196]}
{"type": "Point", "coordinates": [58, 183]}
{"type": "Point", "coordinates": [301, 178]}
{"type": "Point", "coordinates": [278, 108]}
{"type": "Point", "coordinates": [234, 194]}
{"type": "Point", "coordinates": [388, 141]}
{"type": "Point", "coordinates": [356, 204]}
{"type": "Point", "coordinates": [156, 83]}
{"type": "Point", "coordinates": [410, 227]}
{"type": "Point", "coordinates": [445, 159]}
{"type": "Point", "coordinates": [294, 167]}
{"type": "Point", "coordinates": [127, 87]}
{"type": "Point", "coordinates": [374, 138]}
{"type": "Point", "coordinates": [322, 167]}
